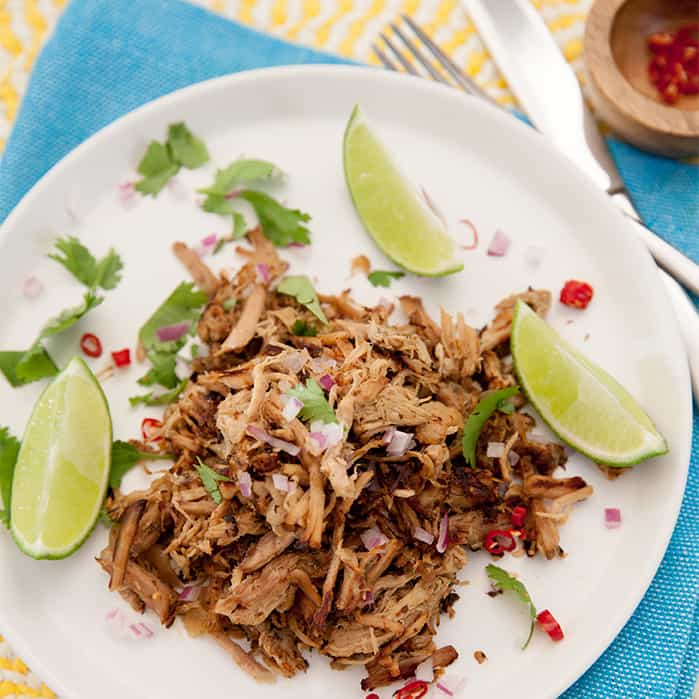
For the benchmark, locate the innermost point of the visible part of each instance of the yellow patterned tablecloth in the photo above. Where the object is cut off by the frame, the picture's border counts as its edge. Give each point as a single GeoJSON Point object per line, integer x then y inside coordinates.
{"type": "Point", "coordinates": [347, 27]}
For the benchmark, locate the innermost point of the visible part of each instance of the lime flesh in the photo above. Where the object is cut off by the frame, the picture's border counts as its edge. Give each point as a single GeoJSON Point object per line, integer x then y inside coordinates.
{"type": "Point", "coordinates": [581, 403]}
{"type": "Point", "coordinates": [391, 209]}
{"type": "Point", "coordinates": [62, 470]}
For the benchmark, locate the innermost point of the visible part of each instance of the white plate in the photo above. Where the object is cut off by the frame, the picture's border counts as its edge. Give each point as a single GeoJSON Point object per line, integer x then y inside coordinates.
{"type": "Point", "coordinates": [478, 164]}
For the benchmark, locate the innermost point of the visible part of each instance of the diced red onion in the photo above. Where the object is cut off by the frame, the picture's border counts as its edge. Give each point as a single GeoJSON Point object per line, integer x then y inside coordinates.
{"type": "Point", "coordinates": [425, 671]}
{"type": "Point", "coordinates": [189, 593]}
{"type": "Point", "coordinates": [140, 630]}
{"type": "Point", "coordinates": [262, 436]}
{"type": "Point", "coordinates": [451, 685]}
{"type": "Point", "coordinates": [32, 288]}
{"type": "Point", "coordinates": [167, 333]}
{"type": "Point", "coordinates": [612, 517]}
{"type": "Point", "coordinates": [125, 626]}
{"type": "Point", "coordinates": [499, 245]}
{"type": "Point", "coordinates": [533, 255]}
{"type": "Point", "coordinates": [281, 482]}
{"type": "Point", "coordinates": [292, 407]}
{"type": "Point", "coordinates": [320, 365]}
{"type": "Point", "coordinates": [495, 450]}
{"type": "Point", "coordinates": [326, 434]}
{"type": "Point", "coordinates": [423, 535]}
{"type": "Point", "coordinates": [443, 537]}
{"type": "Point", "coordinates": [297, 245]}
{"type": "Point", "coordinates": [368, 598]}
{"type": "Point", "coordinates": [371, 538]}
{"type": "Point", "coordinates": [233, 194]}
{"type": "Point", "coordinates": [433, 207]}
{"type": "Point", "coordinates": [210, 240]}
{"type": "Point", "coordinates": [326, 381]}
{"type": "Point", "coordinates": [245, 484]}
{"type": "Point", "coordinates": [400, 443]}
{"type": "Point", "coordinates": [263, 273]}
{"type": "Point", "coordinates": [294, 361]}
{"type": "Point", "coordinates": [513, 457]}
{"type": "Point", "coordinates": [126, 191]}
{"type": "Point", "coordinates": [388, 435]}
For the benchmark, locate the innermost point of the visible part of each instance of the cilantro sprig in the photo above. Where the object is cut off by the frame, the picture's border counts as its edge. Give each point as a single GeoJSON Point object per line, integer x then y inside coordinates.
{"type": "Point", "coordinates": [383, 277]}
{"type": "Point", "coordinates": [301, 328]}
{"type": "Point", "coordinates": [9, 450]}
{"type": "Point", "coordinates": [299, 286]}
{"type": "Point", "coordinates": [502, 580]}
{"type": "Point", "coordinates": [104, 273]}
{"type": "Point", "coordinates": [488, 404]}
{"type": "Point", "coordinates": [210, 478]}
{"type": "Point", "coordinates": [315, 404]}
{"type": "Point", "coordinates": [162, 161]}
{"type": "Point", "coordinates": [124, 457]}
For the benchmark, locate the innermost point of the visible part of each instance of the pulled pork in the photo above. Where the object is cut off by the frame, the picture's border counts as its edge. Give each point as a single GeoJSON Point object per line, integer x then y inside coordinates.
{"type": "Point", "coordinates": [285, 571]}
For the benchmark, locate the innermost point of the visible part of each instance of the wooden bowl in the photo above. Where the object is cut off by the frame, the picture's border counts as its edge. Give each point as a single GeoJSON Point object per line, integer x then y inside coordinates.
{"type": "Point", "coordinates": [616, 59]}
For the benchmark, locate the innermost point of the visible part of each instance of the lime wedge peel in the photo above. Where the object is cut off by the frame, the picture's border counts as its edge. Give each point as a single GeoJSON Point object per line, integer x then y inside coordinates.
{"type": "Point", "coordinates": [580, 402]}
{"type": "Point", "coordinates": [390, 207]}
{"type": "Point", "coordinates": [62, 470]}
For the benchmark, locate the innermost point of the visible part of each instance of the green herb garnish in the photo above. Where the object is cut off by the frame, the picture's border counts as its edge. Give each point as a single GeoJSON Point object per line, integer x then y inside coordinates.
{"type": "Point", "coordinates": [82, 264]}
{"type": "Point", "coordinates": [383, 277]}
{"type": "Point", "coordinates": [301, 328]}
{"type": "Point", "coordinates": [488, 404]}
{"type": "Point", "coordinates": [280, 225]}
{"type": "Point", "coordinates": [300, 287]}
{"type": "Point", "coordinates": [153, 399]}
{"type": "Point", "coordinates": [315, 404]}
{"type": "Point", "coordinates": [229, 304]}
{"type": "Point", "coordinates": [162, 161]}
{"type": "Point", "coordinates": [124, 457]}
{"type": "Point", "coordinates": [502, 580]}
{"type": "Point", "coordinates": [9, 450]}
{"type": "Point", "coordinates": [209, 478]}
{"type": "Point", "coordinates": [242, 171]}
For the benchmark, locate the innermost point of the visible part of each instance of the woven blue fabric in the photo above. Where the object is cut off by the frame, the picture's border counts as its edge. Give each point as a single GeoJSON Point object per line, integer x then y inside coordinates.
{"type": "Point", "coordinates": [107, 57]}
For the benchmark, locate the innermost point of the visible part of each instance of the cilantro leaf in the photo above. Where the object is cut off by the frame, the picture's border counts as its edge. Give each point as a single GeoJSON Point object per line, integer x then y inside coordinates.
{"type": "Point", "coordinates": [9, 450]}
{"type": "Point", "coordinates": [301, 328]}
{"type": "Point", "coordinates": [124, 457]}
{"type": "Point", "coordinates": [65, 319]}
{"type": "Point", "coordinates": [240, 228]}
{"type": "Point", "coordinates": [162, 371]}
{"type": "Point", "coordinates": [37, 365]}
{"type": "Point", "coordinates": [280, 225]}
{"type": "Point", "coordinates": [157, 167]}
{"type": "Point", "coordinates": [300, 287]}
{"type": "Point", "coordinates": [229, 304]}
{"type": "Point", "coordinates": [315, 404]}
{"type": "Point", "coordinates": [383, 277]}
{"type": "Point", "coordinates": [165, 398]}
{"type": "Point", "coordinates": [487, 405]}
{"type": "Point", "coordinates": [105, 518]}
{"type": "Point", "coordinates": [186, 148]}
{"type": "Point", "coordinates": [502, 580]}
{"type": "Point", "coordinates": [181, 306]}
{"type": "Point", "coordinates": [209, 477]}
{"type": "Point", "coordinates": [81, 263]}
{"type": "Point", "coordinates": [241, 171]}
{"type": "Point", "coordinates": [218, 204]}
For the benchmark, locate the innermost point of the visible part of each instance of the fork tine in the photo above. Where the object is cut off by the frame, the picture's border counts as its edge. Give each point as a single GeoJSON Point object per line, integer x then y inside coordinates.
{"type": "Point", "coordinates": [401, 58]}
{"type": "Point", "coordinates": [421, 58]}
{"type": "Point", "coordinates": [387, 62]}
{"type": "Point", "coordinates": [456, 73]}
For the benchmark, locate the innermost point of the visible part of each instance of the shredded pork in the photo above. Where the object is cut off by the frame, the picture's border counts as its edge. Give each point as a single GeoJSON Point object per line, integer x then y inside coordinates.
{"type": "Point", "coordinates": [287, 571]}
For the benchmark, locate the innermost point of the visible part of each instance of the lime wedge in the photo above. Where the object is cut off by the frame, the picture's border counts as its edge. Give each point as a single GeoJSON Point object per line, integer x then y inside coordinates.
{"type": "Point", "coordinates": [62, 469]}
{"type": "Point", "coordinates": [391, 209]}
{"type": "Point", "coordinates": [581, 403]}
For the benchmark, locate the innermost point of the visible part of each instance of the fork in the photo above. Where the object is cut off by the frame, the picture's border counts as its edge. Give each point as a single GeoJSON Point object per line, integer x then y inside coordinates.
{"type": "Point", "coordinates": [453, 76]}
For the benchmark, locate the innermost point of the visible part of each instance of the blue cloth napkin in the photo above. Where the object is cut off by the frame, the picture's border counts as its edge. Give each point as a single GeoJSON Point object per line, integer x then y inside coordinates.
{"type": "Point", "coordinates": [107, 57]}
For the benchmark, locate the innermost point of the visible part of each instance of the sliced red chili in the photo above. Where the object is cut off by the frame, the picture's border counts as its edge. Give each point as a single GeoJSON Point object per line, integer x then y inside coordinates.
{"type": "Point", "coordinates": [498, 541]}
{"type": "Point", "coordinates": [122, 357]}
{"type": "Point", "coordinates": [412, 690]}
{"type": "Point", "coordinates": [518, 516]}
{"type": "Point", "coordinates": [150, 429]}
{"type": "Point", "coordinates": [373, 695]}
{"type": "Point", "coordinates": [576, 294]}
{"type": "Point", "coordinates": [549, 624]}
{"type": "Point", "coordinates": [90, 345]}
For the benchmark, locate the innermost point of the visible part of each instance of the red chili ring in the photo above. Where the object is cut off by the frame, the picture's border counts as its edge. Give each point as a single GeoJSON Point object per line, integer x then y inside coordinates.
{"type": "Point", "coordinates": [90, 345]}
{"type": "Point", "coordinates": [492, 545]}
{"type": "Point", "coordinates": [413, 690]}
{"type": "Point", "coordinates": [148, 425]}
{"type": "Point", "coordinates": [549, 624]}
{"type": "Point", "coordinates": [122, 357]}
